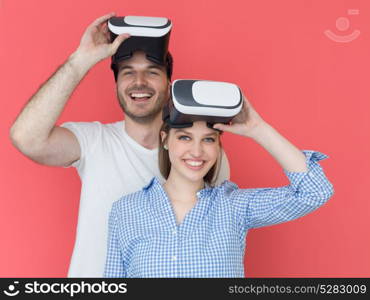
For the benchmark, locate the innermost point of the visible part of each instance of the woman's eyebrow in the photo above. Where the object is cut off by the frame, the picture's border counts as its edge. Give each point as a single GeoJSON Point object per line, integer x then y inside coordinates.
{"type": "Point", "coordinates": [189, 133]}
{"type": "Point", "coordinates": [211, 134]}
{"type": "Point", "coordinates": [182, 130]}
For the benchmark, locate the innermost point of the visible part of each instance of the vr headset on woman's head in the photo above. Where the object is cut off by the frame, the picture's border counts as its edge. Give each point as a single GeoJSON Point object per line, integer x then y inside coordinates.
{"type": "Point", "coordinates": [202, 100]}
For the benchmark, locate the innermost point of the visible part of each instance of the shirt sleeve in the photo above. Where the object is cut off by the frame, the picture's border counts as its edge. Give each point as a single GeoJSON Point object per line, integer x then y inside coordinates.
{"type": "Point", "coordinates": [87, 134]}
{"type": "Point", "coordinates": [114, 265]}
{"type": "Point", "coordinates": [306, 192]}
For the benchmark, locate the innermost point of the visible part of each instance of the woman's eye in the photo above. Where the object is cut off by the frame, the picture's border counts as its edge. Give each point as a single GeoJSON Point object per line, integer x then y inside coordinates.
{"type": "Point", "coordinates": [209, 140]}
{"type": "Point", "coordinates": [184, 138]}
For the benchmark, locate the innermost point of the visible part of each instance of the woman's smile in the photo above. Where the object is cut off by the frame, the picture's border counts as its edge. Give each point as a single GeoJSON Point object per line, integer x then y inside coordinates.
{"type": "Point", "coordinates": [194, 164]}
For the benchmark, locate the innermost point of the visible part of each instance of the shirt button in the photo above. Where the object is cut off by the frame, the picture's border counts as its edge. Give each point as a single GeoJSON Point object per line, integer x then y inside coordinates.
{"type": "Point", "coordinates": [174, 232]}
{"type": "Point", "coordinates": [174, 257]}
{"type": "Point", "coordinates": [311, 175]}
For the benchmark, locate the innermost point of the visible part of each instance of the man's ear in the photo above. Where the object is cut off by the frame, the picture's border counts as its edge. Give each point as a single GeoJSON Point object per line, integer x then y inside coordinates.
{"type": "Point", "coordinates": [169, 89]}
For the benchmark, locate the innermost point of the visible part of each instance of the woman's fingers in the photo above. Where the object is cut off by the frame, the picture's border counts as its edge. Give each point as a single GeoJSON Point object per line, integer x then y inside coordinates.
{"type": "Point", "coordinates": [222, 127]}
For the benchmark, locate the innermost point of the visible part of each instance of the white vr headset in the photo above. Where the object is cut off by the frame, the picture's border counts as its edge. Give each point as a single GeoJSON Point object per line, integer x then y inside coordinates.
{"type": "Point", "coordinates": [149, 34]}
{"type": "Point", "coordinates": [202, 100]}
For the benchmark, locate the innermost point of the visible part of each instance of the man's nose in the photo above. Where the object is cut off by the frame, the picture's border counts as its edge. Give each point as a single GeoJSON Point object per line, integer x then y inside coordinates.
{"type": "Point", "coordinates": [140, 79]}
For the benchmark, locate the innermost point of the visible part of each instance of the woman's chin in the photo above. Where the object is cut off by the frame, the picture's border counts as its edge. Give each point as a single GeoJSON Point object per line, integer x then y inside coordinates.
{"type": "Point", "coordinates": [195, 176]}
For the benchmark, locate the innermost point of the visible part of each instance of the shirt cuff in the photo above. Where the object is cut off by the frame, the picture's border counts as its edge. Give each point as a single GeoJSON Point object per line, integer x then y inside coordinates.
{"type": "Point", "coordinates": [314, 177]}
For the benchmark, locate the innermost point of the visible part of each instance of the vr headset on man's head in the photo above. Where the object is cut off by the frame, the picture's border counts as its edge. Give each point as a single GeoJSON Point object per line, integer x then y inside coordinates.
{"type": "Point", "coordinates": [202, 100]}
{"type": "Point", "coordinates": [148, 34]}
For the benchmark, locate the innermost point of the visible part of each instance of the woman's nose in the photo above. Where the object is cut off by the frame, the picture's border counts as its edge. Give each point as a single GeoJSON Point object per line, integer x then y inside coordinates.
{"type": "Point", "coordinates": [196, 149]}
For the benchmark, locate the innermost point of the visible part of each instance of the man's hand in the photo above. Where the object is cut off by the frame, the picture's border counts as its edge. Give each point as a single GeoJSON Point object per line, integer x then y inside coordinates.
{"type": "Point", "coordinates": [34, 132]}
{"type": "Point", "coordinates": [246, 123]}
{"type": "Point", "coordinates": [95, 43]}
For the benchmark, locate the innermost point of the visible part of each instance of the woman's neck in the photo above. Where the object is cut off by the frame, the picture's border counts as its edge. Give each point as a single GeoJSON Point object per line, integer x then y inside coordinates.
{"type": "Point", "coordinates": [182, 189]}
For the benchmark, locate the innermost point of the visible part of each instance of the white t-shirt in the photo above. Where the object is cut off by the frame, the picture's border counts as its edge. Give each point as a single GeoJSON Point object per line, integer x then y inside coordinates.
{"type": "Point", "coordinates": [112, 165]}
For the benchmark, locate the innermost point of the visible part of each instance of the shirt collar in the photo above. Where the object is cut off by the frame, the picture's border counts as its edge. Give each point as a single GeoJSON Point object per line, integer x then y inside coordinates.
{"type": "Point", "coordinates": [155, 185]}
{"type": "Point", "coordinates": [162, 207]}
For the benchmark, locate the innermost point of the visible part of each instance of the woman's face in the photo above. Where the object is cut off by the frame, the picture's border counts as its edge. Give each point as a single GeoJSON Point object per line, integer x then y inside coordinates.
{"type": "Point", "coordinates": [193, 150]}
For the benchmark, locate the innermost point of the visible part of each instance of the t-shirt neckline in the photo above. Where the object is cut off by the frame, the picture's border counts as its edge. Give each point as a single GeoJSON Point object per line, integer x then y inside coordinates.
{"type": "Point", "coordinates": [131, 141]}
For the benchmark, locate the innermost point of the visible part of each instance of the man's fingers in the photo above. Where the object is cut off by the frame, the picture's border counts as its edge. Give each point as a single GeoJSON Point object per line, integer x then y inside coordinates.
{"type": "Point", "coordinates": [102, 19]}
{"type": "Point", "coordinates": [105, 27]}
{"type": "Point", "coordinates": [118, 40]}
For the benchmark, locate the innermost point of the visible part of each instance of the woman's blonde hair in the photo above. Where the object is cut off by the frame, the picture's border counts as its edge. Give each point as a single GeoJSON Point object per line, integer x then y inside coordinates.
{"type": "Point", "coordinates": [165, 163]}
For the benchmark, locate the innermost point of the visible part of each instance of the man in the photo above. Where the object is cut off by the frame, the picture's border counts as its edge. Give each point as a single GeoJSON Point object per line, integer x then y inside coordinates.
{"type": "Point", "coordinates": [111, 159]}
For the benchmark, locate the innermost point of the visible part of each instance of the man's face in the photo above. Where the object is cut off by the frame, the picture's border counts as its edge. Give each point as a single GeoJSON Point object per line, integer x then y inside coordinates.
{"type": "Point", "coordinates": [142, 88]}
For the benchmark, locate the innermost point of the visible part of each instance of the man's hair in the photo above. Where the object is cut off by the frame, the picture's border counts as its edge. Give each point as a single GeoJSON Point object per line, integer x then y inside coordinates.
{"type": "Point", "coordinates": [168, 65]}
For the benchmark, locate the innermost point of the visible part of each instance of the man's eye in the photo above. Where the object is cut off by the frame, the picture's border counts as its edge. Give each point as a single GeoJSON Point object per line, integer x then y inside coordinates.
{"type": "Point", "coordinates": [209, 140]}
{"type": "Point", "coordinates": [124, 75]}
{"type": "Point", "coordinates": [153, 73]}
{"type": "Point", "coordinates": [127, 73]}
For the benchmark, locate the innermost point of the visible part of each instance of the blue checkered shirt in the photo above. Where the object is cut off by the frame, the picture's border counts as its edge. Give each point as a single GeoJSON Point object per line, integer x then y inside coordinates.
{"type": "Point", "coordinates": [144, 239]}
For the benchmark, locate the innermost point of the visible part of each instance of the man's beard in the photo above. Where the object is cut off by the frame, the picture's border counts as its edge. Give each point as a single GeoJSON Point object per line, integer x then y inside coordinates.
{"type": "Point", "coordinates": [150, 115]}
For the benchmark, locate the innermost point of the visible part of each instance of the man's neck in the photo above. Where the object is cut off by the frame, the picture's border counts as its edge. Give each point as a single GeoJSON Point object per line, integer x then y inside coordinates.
{"type": "Point", "coordinates": [146, 135]}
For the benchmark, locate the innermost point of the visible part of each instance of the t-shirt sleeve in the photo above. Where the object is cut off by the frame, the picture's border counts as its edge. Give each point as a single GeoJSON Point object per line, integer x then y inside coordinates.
{"type": "Point", "coordinates": [306, 192]}
{"type": "Point", "coordinates": [87, 134]}
{"type": "Point", "coordinates": [224, 173]}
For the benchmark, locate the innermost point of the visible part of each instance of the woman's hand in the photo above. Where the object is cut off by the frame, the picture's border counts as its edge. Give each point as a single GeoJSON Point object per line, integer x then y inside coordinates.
{"type": "Point", "coordinates": [246, 123]}
{"type": "Point", "coordinates": [249, 123]}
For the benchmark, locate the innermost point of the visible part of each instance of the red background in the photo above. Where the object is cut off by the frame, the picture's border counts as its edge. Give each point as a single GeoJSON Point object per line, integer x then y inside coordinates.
{"type": "Point", "coordinates": [313, 90]}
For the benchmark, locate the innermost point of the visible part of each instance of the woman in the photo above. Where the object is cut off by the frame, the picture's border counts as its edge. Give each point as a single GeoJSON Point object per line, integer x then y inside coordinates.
{"type": "Point", "coordinates": [188, 228]}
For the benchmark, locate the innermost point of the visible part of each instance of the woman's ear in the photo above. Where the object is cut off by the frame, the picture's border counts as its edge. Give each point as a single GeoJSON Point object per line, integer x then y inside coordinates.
{"type": "Point", "coordinates": [163, 136]}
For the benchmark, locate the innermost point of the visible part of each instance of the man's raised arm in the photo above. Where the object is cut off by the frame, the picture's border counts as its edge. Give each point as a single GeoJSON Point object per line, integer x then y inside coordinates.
{"type": "Point", "coordinates": [34, 132]}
